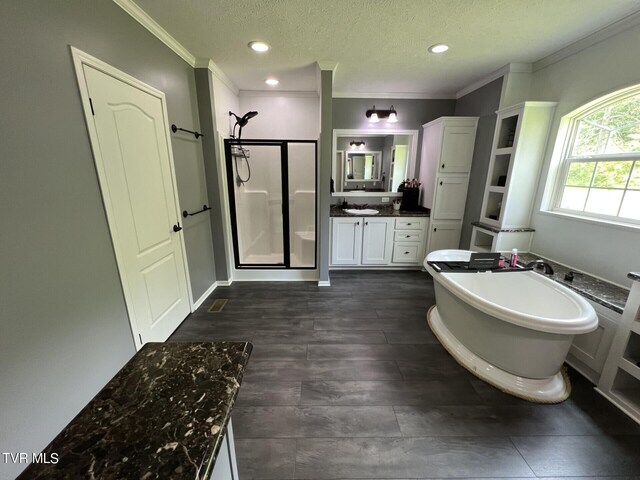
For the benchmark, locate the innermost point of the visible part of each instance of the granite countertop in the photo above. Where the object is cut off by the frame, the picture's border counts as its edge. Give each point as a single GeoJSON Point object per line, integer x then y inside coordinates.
{"type": "Point", "coordinates": [634, 276]}
{"type": "Point", "coordinates": [162, 416]}
{"type": "Point", "coordinates": [599, 291]}
{"type": "Point", "coordinates": [385, 211]}
{"type": "Point", "coordinates": [493, 229]}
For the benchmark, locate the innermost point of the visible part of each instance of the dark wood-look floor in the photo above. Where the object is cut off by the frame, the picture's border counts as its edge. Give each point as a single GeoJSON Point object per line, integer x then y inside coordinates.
{"type": "Point", "coordinates": [348, 382]}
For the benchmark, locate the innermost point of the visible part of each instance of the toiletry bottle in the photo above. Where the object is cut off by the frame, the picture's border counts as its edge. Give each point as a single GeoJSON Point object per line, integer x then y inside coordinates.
{"type": "Point", "coordinates": [513, 263]}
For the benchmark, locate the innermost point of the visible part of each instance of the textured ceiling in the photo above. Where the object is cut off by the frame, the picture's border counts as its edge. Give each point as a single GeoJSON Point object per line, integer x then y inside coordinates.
{"type": "Point", "coordinates": [380, 46]}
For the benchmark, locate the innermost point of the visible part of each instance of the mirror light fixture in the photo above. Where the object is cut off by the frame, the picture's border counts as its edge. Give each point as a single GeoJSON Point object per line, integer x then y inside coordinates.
{"type": "Point", "coordinates": [374, 115]}
{"type": "Point", "coordinates": [359, 144]}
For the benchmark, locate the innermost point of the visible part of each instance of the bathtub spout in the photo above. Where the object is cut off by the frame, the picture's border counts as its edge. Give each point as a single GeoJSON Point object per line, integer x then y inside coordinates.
{"type": "Point", "coordinates": [539, 265]}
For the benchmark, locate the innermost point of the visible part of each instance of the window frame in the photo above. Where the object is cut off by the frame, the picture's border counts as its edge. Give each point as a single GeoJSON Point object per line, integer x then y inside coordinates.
{"type": "Point", "coordinates": [570, 133]}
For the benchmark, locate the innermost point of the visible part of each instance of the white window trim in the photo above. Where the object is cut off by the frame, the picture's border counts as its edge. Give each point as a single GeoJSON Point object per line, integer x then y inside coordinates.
{"type": "Point", "coordinates": [565, 139]}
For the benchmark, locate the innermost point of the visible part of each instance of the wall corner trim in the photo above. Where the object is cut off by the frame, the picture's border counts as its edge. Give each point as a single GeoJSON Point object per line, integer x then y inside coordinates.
{"type": "Point", "coordinates": [217, 71]}
{"type": "Point", "coordinates": [596, 37]}
{"type": "Point", "coordinates": [204, 296]}
{"type": "Point", "coordinates": [509, 68]}
{"type": "Point", "coordinates": [154, 27]}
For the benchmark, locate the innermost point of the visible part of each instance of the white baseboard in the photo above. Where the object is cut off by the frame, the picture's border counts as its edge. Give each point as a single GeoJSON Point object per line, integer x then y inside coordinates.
{"type": "Point", "coordinates": [224, 283]}
{"type": "Point", "coordinates": [204, 296]}
{"type": "Point", "coordinates": [324, 283]}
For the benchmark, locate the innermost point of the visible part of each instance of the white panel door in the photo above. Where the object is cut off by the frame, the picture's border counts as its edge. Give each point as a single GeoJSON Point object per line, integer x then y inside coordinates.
{"type": "Point", "coordinates": [444, 235]}
{"type": "Point", "coordinates": [451, 197]}
{"type": "Point", "coordinates": [457, 149]}
{"type": "Point", "coordinates": [377, 241]}
{"type": "Point", "coordinates": [346, 241]}
{"type": "Point", "coordinates": [138, 184]}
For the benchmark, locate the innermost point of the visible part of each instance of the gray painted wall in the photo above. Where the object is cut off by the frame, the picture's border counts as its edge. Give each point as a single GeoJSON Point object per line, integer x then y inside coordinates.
{"type": "Point", "coordinates": [210, 147]}
{"type": "Point", "coordinates": [482, 103]}
{"type": "Point", "coordinates": [412, 114]}
{"type": "Point", "coordinates": [64, 325]}
{"type": "Point", "coordinates": [325, 154]}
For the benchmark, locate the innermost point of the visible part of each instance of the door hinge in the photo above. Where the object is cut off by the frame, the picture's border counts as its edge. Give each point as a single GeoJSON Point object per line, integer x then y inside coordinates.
{"type": "Point", "coordinates": [93, 112]}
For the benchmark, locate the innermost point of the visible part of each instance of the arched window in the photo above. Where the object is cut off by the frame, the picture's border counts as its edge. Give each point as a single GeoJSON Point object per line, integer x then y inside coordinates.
{"type": "Point", "coordinates": [599, 173]}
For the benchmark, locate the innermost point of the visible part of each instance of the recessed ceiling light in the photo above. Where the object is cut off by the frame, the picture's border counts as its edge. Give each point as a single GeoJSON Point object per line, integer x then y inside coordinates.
{"type": "Point", "coordinates": [438, 48]}
{"type": "Point", "coordinates": [272, 81]}
{"type": "Point", "coordinates": [259, 46]}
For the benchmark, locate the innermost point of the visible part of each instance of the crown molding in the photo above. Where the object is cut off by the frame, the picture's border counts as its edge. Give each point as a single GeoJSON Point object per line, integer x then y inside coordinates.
{"type": "Point", "coordinates": [217, 71]}
{"type": "Point", "coordinates": [501, 72]}
{"type": "Point", "coordinates": [395, 95]}
{"type": "Point", "coordinates": [152, 26]}
{"type": "Point", "coordinates": [278, 93]}
{"type": "Point", "coordinates": [596, 37]}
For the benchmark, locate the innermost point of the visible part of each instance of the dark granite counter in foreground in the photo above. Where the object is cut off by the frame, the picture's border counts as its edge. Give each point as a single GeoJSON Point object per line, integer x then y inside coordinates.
{"type": "Point", "coordinates": [596, 290]}
{"type": "Point", "coordinates": [385, 211]}
{"type": "Point", "coordinates": [162, 416]}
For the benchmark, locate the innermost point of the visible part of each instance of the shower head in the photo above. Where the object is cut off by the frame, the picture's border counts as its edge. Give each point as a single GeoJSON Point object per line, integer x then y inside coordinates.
{"type": "Point", "coordinates": [241, 122]}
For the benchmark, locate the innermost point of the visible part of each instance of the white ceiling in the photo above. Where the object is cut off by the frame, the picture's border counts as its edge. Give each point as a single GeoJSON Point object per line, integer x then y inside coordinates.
{"type": "Point", "coordinates": [380, 46]}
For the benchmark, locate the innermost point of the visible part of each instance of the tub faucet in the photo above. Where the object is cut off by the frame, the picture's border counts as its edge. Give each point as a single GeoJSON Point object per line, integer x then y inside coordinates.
{"type": "Point", "coordinates": [539, 265]}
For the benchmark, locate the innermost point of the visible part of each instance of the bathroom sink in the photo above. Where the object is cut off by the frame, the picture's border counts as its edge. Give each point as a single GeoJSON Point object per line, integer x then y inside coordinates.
{"type": "Point", "coordinates": [361, 211]}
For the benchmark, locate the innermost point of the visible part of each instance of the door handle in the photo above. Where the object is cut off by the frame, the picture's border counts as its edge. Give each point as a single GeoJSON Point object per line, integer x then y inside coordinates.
{"type": "Point", "coordinates": [177, 228]}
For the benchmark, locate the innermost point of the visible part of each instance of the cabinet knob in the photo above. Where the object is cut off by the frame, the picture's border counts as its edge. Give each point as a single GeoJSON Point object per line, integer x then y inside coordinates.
{"type": "Point", "coordinates": [357, 223]}
{"type": "Point", "coordinates": [435, 229]}
{"type": "Point", "coordinates": [366, 223]}
{"type": "Point", "coordinates": [407, 236]}
{"type": "Point", "coordinates": [406, 253]}
{"type": "Point", "coordinates": [440, 182]}
{"type": "Point", "coordinates": [409, 224]}
{"type": "Point", "coordinates": [443, 165]}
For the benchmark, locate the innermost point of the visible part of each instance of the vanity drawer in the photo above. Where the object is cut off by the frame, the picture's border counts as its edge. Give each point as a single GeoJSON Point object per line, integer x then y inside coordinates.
{"type": "Point", "coordinates": [408, 236]}
{"type": "Point", "coordinates": [410, 223]}
{"type": "Point", "coordinates": [405, 252]}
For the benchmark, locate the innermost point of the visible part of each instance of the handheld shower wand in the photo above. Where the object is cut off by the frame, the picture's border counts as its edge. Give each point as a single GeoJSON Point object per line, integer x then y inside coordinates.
{"type": "Point", "coordinates": [241, 122]}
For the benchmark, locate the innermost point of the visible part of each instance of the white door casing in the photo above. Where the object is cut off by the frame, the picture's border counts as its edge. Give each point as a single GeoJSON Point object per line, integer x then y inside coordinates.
{"type": "Point", "coordinates": [128, 127]}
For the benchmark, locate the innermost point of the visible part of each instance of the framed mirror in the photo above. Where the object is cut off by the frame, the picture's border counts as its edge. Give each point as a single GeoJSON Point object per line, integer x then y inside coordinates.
{"type": "Point", "coordinates": [372, 163]}
{"type": "Point", "coordinates": [362, 166]}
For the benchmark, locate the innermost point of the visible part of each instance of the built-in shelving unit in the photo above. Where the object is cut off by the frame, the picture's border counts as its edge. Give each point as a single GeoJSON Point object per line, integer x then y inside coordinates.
{"type": "Point", "coordinates": [620, 380]}
{"type": "Point", "coordinates": [518, 148]}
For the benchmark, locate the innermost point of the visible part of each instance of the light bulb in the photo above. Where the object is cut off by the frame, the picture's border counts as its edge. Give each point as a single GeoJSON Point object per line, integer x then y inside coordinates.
{"type": "Point", "coordinates": [393, 118]}
{"type": "Point", "coordinates": [374, 118]}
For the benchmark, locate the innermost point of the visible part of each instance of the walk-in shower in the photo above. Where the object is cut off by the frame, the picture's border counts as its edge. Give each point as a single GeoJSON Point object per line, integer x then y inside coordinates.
{"type": "Point", "coordinates": [272, 198]}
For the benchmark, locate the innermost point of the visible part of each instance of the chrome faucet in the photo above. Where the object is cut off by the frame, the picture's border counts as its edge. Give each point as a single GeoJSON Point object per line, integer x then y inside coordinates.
{"type": "Point", "coordinates": [539, 265]}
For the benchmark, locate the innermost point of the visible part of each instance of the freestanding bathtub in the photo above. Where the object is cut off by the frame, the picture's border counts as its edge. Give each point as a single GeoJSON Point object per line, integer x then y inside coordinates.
{"type": "Point", "coordinates": [511, 329]}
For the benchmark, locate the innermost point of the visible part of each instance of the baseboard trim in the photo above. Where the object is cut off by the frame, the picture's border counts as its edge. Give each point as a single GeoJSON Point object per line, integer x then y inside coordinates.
{"type": "Point", "coordinates": [204, 296]}
{"type": "Point", "coordinates": [324, 283]}
{"type": "Point", "coordinates": [224, 283]}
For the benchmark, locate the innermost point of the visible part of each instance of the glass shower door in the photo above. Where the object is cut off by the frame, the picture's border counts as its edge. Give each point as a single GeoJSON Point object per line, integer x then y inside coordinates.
{"type": "Point", "coordinates": [257, 200]}
{"type": "Point", "coordinates": [301, 164]}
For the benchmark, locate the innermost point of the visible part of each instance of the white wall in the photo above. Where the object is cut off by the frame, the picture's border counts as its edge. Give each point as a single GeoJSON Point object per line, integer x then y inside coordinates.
{"type": "Point", "coordinates": [606, 251]}
{"type": "Point", "coordinates": [225, 100]}
{"type": "Point", "coordinates": [293, 117]}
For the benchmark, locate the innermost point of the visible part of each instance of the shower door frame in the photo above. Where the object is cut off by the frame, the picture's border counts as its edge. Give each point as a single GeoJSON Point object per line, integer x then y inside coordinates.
{"type": "Point", "coordinates": [284, 175]}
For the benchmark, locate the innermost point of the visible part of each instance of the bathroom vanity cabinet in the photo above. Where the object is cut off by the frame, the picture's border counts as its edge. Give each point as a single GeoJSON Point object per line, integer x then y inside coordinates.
{"type": "Point", "coordinates": [375, 241]}
{"type": "Point", "coordinates": [447, 153]}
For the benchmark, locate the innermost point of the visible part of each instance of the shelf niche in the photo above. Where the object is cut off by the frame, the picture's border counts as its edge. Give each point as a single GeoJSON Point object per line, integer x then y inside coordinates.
{"type": "Point", "coordinates": [508, 127]}
{"type": "Point", "coordinates": [500, 169]}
